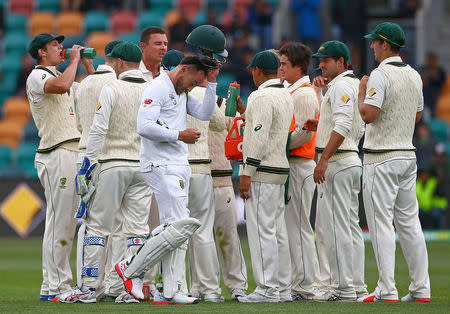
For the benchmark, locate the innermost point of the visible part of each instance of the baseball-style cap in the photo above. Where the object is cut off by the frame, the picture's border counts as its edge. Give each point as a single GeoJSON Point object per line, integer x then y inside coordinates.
{"type": "Point", "coordinates": [266, 60]}
{"type": "Point", "coordinates": [390, 32]}
{"type": "Point", "coordinates": [172, 58]}
{"type": "Point", "coordinates": [110, 46]}
{"type": "Point", "coordinates": [333, 48]}
{"type": "Point", "coordinates": [40, 41]}
{"type": "Point", "coordinates": [126, 51]}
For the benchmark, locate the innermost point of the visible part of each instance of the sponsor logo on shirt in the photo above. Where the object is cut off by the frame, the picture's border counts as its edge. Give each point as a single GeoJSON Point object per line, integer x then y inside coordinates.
{"type": "Point", "coordinates": [99, 105]}
{"type": "Point", "coordinates": [258, 127]}
{"type": "Point", "coordinates": [182, 184]}
{"type": "Point", "coordinates": [62, 182]}
{"type": "Point", "coordinates": [345, 98]}
{"type": "Point", "coordinates": [71, 113]}
{"type": "Point", "coordinates": [148, 101]}
{"type": "Point", "coordinates": [371, 92]}
{"type": "Point", "coordinates": [44, 75]}
{"type": "Point", "coordinates": [172, 98]}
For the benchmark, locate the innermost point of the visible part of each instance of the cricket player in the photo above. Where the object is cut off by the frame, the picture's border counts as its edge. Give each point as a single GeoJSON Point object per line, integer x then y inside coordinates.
{"type": "Point", "coordinates": [120, 186]}
{"type": "Point", "coordinates": [203, 261]}
{"type": "Point", "coordinates": [51, 97]}
{"type": "Point", "coordinates": [294, 62]}
{"type": "Point", "coordinates": [164, 155]}
{"type": "Point", "coordinates": [231, 258]}
{"type": "Point", "coordinates": [338, 172]}
{"type": "Point", "coordinates": [262, 178]}
{"type": "Point", "coordinates": [391, 103]}
{"type": "Point", "coordinates": [153, 45]}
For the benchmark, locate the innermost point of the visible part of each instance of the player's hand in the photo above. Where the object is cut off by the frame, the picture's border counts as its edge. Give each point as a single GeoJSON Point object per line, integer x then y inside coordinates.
{"type": "Point", "coordinates": [244, 187]}
{"type": "Point", "coordinates": [75, 55]}
{"type": "Point", "coordinates": [211, 75]}
{"type": "Point", "coordinates": [363, 84]}
{"type": "Point", "coordinates": [240, 105]}
{"type": "Point", "coordinates": [189, 136]}
{"type": "Point", "coordinates": [319, 171]}
{"type": "Point", "coordinates": [311, 125]}
{"type": "Point", "coordinates": [88, 65]}
{"type": "Point", "coordinates": [320, 81]}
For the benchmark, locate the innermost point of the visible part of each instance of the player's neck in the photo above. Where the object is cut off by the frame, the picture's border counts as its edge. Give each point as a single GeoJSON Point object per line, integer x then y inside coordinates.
{"type": "Point", "coordinates": [296, 78]}
{"type": "Point", "coordinates": [152, 66]}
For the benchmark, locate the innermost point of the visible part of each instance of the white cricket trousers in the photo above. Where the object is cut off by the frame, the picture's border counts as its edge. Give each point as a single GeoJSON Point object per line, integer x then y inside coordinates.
{"type": "Point", "coordinates": [268, 240]}
{"type": "Point", "coordinates": [120, 186]}
{"type": "Point", "coordinates": [338, 204]}
{"type": "Point", "coordinates": [203, 261]}
{"type": "Point", "coordinates": [56, 171]}
{"type": "Point", "coordinates": [301, 235]}
{"type": "Point", "coordinates": [232, 262]}
{"type": "Point", "coordinates": [389, 191]}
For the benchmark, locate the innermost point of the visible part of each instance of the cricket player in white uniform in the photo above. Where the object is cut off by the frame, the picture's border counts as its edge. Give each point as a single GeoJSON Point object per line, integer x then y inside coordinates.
{"type": "Point", "coordinates": [86, 99]}
{"type": "Point", "coordinates": [203, 261]}
{"type": "Point", "coordinates": [50, 95]}
{"type": "Point", "coordinates": [153, 45]}
{"type": "Point", "coordinates": [294, 62]}
{"type": "Point", "coordinates": [231, 258]}
{"type": "Point", "coordinates": [120, 186]}
{"type": "Point", "coordinates": [262, 178]}
{"type": "Point", "coordinates": [338, 172]}
{"type": "Point", "coordinates": [164, 154]}
{"type": "Point", "coordinates": [391, 103]}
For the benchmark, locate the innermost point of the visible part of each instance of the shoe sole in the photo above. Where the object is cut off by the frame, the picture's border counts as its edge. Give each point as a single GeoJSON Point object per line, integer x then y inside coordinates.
{"type": "Point", "coordinates": [174, 303]}
{"type": "Point", "coordinates": [424, 300]}
{"type": "Point", "coordinates": [125, 282]}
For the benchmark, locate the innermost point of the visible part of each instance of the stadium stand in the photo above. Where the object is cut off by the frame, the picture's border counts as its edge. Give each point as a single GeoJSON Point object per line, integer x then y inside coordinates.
{"type": "Point", "coordinates": [41, 22]}
{"type": "Point", "coordinates": [123, 22]}
{"type": "Point", "coordinates": [70, 23]}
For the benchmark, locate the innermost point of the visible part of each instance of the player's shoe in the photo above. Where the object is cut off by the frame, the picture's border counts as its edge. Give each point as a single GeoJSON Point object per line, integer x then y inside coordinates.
{"type": "Point", "coordinates": [126, 297]}
{"type": "Point", "coordinates": [286, 298]}
{"type": "Point", "coordinates": [333, 297]}
{"type": "Point", "coordinates": [178, 298]}
{"type": "Point", "coordinates": [256, 297]}
{"type": "Point", "coordinates": [236, 292]}
{"type": "Point", "coordinates": [372, 298]}
{"type": "Point", "coordinates": [77, 295]}
{"type": "Point", "coordinates": [195, 294]}
{"type": "Point", "coordinates": [219, 299]}
{"type": "Point", "coordinates": [409, 298]}
{"type": "Point", "coordinates": [133, 285]}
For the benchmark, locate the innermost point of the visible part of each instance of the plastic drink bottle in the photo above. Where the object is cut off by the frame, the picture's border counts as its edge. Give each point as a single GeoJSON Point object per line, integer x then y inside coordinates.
{"type": "Point", "coordinates": [88, 53]}
{"type": "Point", "coordinates": [233, 93]}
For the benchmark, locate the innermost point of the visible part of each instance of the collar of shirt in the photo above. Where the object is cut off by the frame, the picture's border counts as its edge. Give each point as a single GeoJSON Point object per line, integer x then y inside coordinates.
{"type": "Point", "coordinates": [51, 68]}
{"type": "Point", "coordinates": [269, 82]}
{"type": "Point", "coordinates": [391, 59]}
{"type": "Point", "coordinates": [146, 71]}
{"type": "Point", "coordinates": [163, 75]}
{"type": "Point", "coordinates": [298, 83]}
{"type": "Point", "coordinates": [339, 76]}
{"type": "Point", "coordinates": [131, 73]}
{"type": "Point", "coordinates": [105, 67]}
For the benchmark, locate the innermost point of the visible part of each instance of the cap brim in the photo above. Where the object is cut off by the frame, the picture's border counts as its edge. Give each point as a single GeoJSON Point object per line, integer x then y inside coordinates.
{"type": "Point", "coordinates": [224, 53]}
{"type": "Point", "coordinates": [369, 36]}
{"type": "Point", "coordinates": [59, 38]}
{"type": "Point", "coordinates": [320, 55]}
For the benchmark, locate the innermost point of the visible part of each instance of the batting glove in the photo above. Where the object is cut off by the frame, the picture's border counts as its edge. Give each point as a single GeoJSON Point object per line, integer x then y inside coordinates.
{"type": "Point", "coordinates": [84, 200]}
{"type": "Point", "coordinates": [83, 176]}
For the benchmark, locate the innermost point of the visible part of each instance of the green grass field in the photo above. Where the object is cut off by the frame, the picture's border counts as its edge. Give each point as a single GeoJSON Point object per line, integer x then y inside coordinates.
{"type": "Point", "coordinates": [20, 278]}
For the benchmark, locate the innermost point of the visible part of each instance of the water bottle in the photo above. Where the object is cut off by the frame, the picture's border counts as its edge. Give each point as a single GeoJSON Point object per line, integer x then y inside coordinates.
{"type": "Point", "coordinates": [88, 53]}
{"type": "Point", "coordinates": [233, 93]}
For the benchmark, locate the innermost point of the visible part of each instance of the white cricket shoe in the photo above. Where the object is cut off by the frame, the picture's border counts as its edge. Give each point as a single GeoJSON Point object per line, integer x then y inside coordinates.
{"type": "Point", "coordinates": [256, 297]}
{"type": "Point", "coordinates": [220, 299]}
{"type": "Point", "coordinates": [133, 285]}
{"type": "Point", "coordinates": [372, 298]}
{"type": "Point", "coordinates": [236, 292]}
{"type": "Point", "coordinates": [77, 295]}
{"type": "Point", "coordinates": [178, 298]}
{"type": "Point", "coordinates": [333, 297]}
{"type": "Point", "coordinates": [409, 298]}
{"type": "Point", "coordinates": [126, 297]}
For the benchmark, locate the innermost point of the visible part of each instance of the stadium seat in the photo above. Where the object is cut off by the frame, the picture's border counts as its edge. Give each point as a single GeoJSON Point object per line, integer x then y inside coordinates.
{"type": "Point", "coordinates": [190, 7]}
{"type": "Point", "coordinates": [10, 133]}
{"type": "Point", "coordinates": [25, 158]}
{"type": "Point", "coordinates": [443, 103]}
{"type": "Point", "coordinates": [30, 133]}
{"type": "Point", "coordinates": [274, 4]}
{"type": "Point", "coordinates": [15, 42]}
{"type": "Point", "coordinates": [12, 171]}
{"type": "Point", "coordinates": [16, 23]}
{"type": "Point", "coordinates": [123, 22]}
{"type": "Point", "coordinates": [49, 5]}
{"type": "Point", "coordinates": [98, 61]}
{"type": "Point", "coordinates": [132, 37]}
{"type": "Point", "coordinates": [439, 129]}
{"type": "Point", "coordinates": [223, 82]}
{"type": "Point", "coordinates": [9, 84]}
{"type": "Point", "coordinates": [149, 18]}
{"type": "Point", "coordinates": [219, 6]}
{"type": "Point", "coordinates": [95, 21]}
{"type": "Point", "coordinates": [17, 109]}
{"type": "Point", "coordinates": [24, 7]}
{"type": "Point", "coordinates": [11, 63]}
{"type": "Point", "coordinates": [70, 23]}
{"type": "Point", "coordinates": [5, 157]}
{"type": "Point", "coordinates": [69, 41]}
{"type": "Point", "coordinates": [171, 18]}
{"type": "Point", "coordinates": [99, 40]}
{"type": "Point", "coordinates": [161, 6]}
{"type": "Point", "coordinates": [200, 18]}
{"type": "Point", "coordinates": [41, 22]}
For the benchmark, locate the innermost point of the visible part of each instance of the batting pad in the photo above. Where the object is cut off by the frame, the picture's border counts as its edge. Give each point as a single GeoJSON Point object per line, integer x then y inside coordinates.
{"type": "Point", "coordinates": [159, 246]}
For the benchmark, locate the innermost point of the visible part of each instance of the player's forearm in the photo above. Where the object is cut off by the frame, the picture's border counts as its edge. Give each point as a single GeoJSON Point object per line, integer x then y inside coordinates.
{"type": "Point", "coordinates": [153, 131]}
{"type": "Point", "coordinates": [62, 83]}
{"type": "Point", "coordinates": [300, 137]}
{"type": "Point", "coordinates": [333, 144]}
{"type": "Point", "coordinates": [203, 111]}
{"type": "Point", "coordinates": [94, 145]}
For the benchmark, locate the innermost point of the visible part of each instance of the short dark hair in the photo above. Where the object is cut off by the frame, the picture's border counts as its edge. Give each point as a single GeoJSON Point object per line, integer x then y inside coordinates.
{"type": "Point", "coordinates": [195, 63]}
{"type": "Point", "coordinates": [268, 71]}
{"type": "Point", "coordinates": [345, 62]}
{"type": "Point", "coordinates": [149, 31]}
{"type": "Point", "coordinates": [392, 47]}
{"type": "Point", "coordinates": [298, 54]}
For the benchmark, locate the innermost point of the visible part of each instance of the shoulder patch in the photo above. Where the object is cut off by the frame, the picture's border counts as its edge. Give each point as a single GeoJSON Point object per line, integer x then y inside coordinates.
{"type": "Point", "coordinates": [44, 75]}
{"type": "Point", "coordinates": [345, 98]}
{"type": "Point", "coordinates": [371, 92]}
{"type": "Point", "coordinates": [258, 127]}
{"type": "Point", "coordinates": [148, 101]}
{"type": "Point", "coordinates": [99, 105]}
